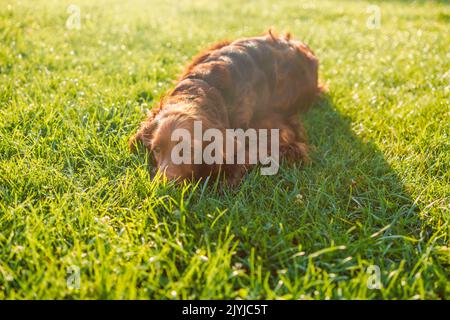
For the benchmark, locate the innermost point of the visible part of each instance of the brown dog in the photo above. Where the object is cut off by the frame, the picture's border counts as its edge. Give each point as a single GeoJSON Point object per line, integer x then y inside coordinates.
{"type": "Point", "coordinates": [261, 83]}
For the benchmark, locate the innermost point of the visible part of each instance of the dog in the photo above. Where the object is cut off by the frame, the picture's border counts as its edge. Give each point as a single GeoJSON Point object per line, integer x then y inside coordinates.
{"type": "Point", "coordinates": [261, 82]}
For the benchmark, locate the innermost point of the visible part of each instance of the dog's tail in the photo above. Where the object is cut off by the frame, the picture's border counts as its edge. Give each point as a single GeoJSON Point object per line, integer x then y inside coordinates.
{"type": "Point", "coordinates": [302, 47]}
{"type": "Point", "coordinates": [276, 37]}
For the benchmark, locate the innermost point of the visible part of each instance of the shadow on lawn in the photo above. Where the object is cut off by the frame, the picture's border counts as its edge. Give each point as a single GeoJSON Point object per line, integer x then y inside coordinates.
{"type": "Point", "coordinates": [349, 200]}
{"type": "Point", "coordinates": [362, 185]}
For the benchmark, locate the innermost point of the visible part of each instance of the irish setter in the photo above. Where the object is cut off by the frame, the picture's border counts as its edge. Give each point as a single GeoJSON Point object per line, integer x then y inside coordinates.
{"type": "Point", "coordinates": [259, 82]}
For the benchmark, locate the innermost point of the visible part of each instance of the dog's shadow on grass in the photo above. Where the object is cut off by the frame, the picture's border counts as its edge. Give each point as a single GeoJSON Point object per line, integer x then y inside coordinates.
{"type": "Point", "coordinates": [348, 200]}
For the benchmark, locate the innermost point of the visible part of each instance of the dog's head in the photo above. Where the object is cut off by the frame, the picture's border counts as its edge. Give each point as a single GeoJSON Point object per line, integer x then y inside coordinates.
{"type": "Point", "coordinates": [170, 140]}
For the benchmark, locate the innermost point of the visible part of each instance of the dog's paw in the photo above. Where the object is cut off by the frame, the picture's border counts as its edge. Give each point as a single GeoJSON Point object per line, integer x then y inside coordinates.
{"type": "Point", "coordinates": [297, 152]}
{"type": "Point", "coordinates": [234, 174]}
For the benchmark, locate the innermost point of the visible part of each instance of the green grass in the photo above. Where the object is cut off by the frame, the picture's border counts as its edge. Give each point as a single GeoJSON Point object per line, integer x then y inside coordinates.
{"type": "Point", "coordinates": [377, 192]}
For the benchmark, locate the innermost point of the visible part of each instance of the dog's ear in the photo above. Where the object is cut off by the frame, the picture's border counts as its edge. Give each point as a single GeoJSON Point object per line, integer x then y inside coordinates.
{"type": "Point", "coordinates": [134, 142]}
{"type": "Point", "coordinates": [138, 141]}
{"type": "Point", "coordinates": [141, 141]}
{"type": "Point", "coordinates": [142, 137]}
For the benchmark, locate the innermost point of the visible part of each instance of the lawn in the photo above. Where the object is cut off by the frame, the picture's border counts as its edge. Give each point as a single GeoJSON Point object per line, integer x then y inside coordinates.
{"type": "Point", "coordinates": [80, 217]}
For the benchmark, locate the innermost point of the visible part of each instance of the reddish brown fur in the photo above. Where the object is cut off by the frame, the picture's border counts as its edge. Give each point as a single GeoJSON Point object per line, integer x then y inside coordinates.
{"type": "Point", "coordinates": [261, 82]}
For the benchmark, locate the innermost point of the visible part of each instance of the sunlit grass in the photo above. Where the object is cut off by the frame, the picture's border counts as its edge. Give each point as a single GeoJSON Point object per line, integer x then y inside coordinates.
{"type": "Point", "coordinates": [71, 195]}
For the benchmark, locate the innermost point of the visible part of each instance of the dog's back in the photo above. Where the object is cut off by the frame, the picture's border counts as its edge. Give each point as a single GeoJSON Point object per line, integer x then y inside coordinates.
{"type": "Point", "coordinates": [259, 75]}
